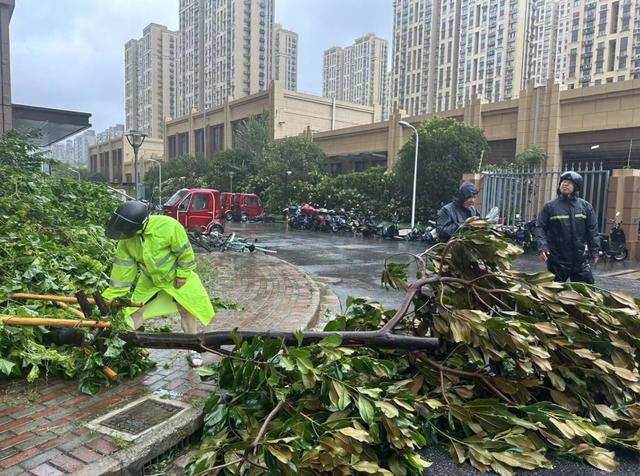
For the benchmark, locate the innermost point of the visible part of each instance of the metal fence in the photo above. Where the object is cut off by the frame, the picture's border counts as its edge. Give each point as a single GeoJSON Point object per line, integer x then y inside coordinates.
{"type": "Point", "coordinates": [524, 192]}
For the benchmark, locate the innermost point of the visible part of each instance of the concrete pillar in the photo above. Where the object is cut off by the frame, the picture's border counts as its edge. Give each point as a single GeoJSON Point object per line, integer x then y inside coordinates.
{"type": "Point", "coordinates": [394, 138]}
{"type": "Point", "coordinates": [227, 133]}
{"type": "Point", "coordinates": [473, 112]}
{"type": "Point", "coordinates": [624, 197]}
{"type": "Point", "coordinates": [539, 121]}
{"type": "Point", "coordinates": [6, 10]}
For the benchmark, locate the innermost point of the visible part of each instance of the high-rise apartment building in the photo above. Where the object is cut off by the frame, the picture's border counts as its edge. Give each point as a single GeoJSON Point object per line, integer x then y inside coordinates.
{"type": "Point", "coordinates": [110, 133]}
{"type": "Point", "coordinates": [446, 52]}
{"type": "Point", "coordinates": [356, 73]}
{"type": "Point", "coordinates": [150, 80]}
{"type": "Point", "coordinates": [81, 145]}
{"type": "Point", "coordinates": [600, 42]}
{"type": "Point", "coordinates": [285, 57]}
{"type": "Point", "coordinates": [225, 50]}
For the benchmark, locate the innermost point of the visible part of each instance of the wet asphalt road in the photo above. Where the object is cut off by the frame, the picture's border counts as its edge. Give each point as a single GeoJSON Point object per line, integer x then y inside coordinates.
{"type": "Point", "coordinates": [353, 265]}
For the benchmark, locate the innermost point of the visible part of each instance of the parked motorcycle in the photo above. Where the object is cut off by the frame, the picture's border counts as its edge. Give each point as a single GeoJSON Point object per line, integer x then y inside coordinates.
{"type": "Point", "coordinates": [614, 245]}
{"type": "Point", "coordinates": [430, 234]}
{"type": "Point", "coordinates": [523, 234]}
{"type": "Point", "coordinates": [391, 231]}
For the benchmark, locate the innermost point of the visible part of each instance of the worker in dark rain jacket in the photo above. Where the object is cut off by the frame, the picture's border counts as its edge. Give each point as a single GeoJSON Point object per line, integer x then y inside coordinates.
{"type": "Point", "coordinates": [565, 227]}
{"type": "Point", "coordinates": [454, 214]}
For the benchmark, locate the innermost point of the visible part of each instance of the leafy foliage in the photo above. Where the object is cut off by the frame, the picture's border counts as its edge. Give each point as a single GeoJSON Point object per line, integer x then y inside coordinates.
{"type": "Point", "coordinates": [532, 156]}
{"type": "Point", "coordinates": [447, 149]}
{"type": "Point", "coordinates": [52, 242]}
{"type": "Point", "coordinates": [303, 158]}
{"type": "Point", "coordinates": [18, 153]}
{"type": "Point", "coordinates": [526, 368]}
{"type": "Point", "coordinates": [374, 190]}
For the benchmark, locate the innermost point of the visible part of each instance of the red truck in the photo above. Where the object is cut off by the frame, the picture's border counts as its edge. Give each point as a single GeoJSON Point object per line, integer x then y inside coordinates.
{"type": "Point", "coordinates": [241, 206]}
{"type": "Point", "coordinates": [196, 209]}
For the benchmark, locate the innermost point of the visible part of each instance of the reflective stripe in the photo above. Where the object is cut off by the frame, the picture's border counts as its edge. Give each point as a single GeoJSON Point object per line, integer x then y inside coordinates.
{"type": "Point", "coordinates": [123, 262]}
{"type": "Point", "coordinates": [143, 268]}
{"type": "Point", "coordinates": [559, 217]}
{"type": "Point", "coordinates": [163, 260]}
{"type": "Point", "coordinates": [116, 284]}
{"type": "Point", "coordinates": [185, 265]}
{"type": "Point", "coordinates": [183, 247]}
{"type": "Point", "coordinates": [581, 215]}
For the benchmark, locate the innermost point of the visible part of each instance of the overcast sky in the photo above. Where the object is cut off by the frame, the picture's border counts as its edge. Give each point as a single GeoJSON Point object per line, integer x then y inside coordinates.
{"type": "Point", "coordinates": [69, 54]}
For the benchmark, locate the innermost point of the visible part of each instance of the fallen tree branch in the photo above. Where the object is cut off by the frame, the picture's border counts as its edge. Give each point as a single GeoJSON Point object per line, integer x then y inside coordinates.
{"type": "Point", "coordinates": [208, 340]}
{"type": "Point", "coordinates": [463, 373]}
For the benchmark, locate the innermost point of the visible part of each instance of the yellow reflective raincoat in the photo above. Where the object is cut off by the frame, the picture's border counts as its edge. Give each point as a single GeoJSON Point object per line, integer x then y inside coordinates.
{"type": "Point", "coordinates": [162, 253]}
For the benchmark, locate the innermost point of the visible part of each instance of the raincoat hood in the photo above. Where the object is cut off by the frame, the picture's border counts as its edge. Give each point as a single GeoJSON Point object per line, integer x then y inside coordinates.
{"type": "Point", "coordinates": [467, 189]}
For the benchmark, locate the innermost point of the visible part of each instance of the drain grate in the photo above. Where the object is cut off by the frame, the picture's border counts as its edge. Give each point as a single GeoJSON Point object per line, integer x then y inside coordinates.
{"type": "Point", "coordinates": [141, 417]}
{"type": "Point", "coordinates": [138, 418]}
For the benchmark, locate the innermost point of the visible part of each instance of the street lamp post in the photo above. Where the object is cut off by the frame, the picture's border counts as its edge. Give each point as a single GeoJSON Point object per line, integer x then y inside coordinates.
{"type": "Point", "coordinates": [231, 182]}
{"type": "Point", "coordinates": [415, 173]}
{"type": "Point", "coordinates": [159, 179]}
{"type": "Point", "coordinates": [76, 171]}
{"type": "Point", "coordinates": [135, 139]}
{"type": "Point", "coordinates": [287, 185]}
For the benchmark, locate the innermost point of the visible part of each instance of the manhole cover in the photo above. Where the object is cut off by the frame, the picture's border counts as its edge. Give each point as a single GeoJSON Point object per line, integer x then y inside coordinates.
{"type": "Point", "coordinates": [137, 418]}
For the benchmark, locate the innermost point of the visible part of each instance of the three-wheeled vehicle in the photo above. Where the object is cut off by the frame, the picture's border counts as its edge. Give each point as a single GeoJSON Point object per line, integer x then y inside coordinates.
{"type": "Point", "coordinates": [241, 206]}
{"type": "Point", "coordinates": [196, 209]}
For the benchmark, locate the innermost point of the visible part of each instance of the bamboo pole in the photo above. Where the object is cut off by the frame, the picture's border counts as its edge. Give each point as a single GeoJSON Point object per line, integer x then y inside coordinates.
{"type": "Point", "coordinates": [67, 299]}
{"type": "Point", "coordinates": [71, 309]}
{"type": "Point", "coordinates": [39, 321]}
{"type": "Point", "coordinates": [109, 373]}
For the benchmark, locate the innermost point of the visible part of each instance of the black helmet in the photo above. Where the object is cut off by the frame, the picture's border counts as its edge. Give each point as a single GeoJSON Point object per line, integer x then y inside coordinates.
{"type": "Point", "coordinates": [576, 178]}
{"type": "Point", "coordinates": [127, 220]}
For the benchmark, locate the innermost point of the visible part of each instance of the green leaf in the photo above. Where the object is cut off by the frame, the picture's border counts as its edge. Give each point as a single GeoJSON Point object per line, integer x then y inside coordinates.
{"type": "Point", "coordinates": [343, 398]}
{"type": "Point", "coordinates": [331, 341]}
{"type": "Point", "coordinates": [6, 366]}
{"type": "Point", "coordinates": [388, 409]}
{"type": "Point", "coordinates": [368, 467]}
{"type": "Point", "coordinates": [299, 337]}
{"type": "Point", "coordinates": [367, 412]}
{"type": "Point", "coordinates": [356, 434]}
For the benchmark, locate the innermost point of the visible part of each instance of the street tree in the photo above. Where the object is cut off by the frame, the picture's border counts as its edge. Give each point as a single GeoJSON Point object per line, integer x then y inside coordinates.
{"type": "Point", "coordinates": [252, 140]}
{"type": "Point", "coordinates": [447, 149]}
{"type": "Point", "coordinates": [532, 156]}
{"type": "Point", "coordinates": [294, 166]}
{"type": "Point", "coordinates": [373, 189]}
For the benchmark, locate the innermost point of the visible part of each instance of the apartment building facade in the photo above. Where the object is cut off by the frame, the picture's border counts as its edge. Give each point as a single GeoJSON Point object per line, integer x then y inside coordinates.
{"type": "Point", "coordinates": [446, 52]}
{"type": "Point", "coordinates": [225, 49]}
{"type": "Point", "coordinates": [358, 72]}
{"type": "Point", "coordinates": [81, 144]}
{"type": "Point", "coordinates": [150, 80]}
{"type": "Point", "coordinates": [600, 42]}
{"type": "Point", "coordinates": [285, 57]}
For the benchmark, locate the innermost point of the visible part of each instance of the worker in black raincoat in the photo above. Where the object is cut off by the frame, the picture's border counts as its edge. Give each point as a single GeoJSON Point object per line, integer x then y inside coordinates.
{"type": "Point", "coordinates": [565, 228]}
{"type": "Point", "coordinates": [454, 214]}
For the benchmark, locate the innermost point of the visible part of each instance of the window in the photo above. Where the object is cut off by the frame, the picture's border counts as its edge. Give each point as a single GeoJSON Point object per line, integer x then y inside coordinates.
{"type": "Point", "coordinates": [184, 206]}
{"type": "Point", "coordinates": [200, 202]}
{"type": "Point", "coordinates": [250, 201]}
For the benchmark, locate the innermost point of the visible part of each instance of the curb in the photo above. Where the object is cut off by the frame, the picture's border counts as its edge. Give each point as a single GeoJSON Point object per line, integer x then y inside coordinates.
{"type": "Point", "coordinates": [131, 461]}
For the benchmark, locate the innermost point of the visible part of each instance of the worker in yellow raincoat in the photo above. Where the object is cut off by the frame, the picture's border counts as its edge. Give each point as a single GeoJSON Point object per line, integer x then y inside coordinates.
{"type": "Point", "coordinates": [156, 250]}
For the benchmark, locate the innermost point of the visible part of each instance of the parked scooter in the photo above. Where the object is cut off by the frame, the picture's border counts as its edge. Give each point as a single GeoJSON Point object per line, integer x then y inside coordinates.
{"type": "Point", "coordinates": [523, 234]}
{"type": "Point", "coordinates": [390, 232]}
{"type": "Point", "coordinates": [614, 245]}
{"type": "Point", "coordinates": [430, 234]}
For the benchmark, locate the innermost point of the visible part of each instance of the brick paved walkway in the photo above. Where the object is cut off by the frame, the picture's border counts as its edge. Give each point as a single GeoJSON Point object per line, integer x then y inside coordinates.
{"type": "Point", "coordinates": [42, 426]}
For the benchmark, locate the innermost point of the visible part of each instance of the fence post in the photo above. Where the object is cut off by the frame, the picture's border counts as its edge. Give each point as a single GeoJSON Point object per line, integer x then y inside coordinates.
{"type": "Point", "coordinates": [477, 180]}
{"type": "Point", "coordinates": [624, 197]}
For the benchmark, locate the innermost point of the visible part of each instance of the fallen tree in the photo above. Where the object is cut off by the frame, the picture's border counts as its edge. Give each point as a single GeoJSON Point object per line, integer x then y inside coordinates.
{"type": "Point", "coordinates": [525, 367]}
